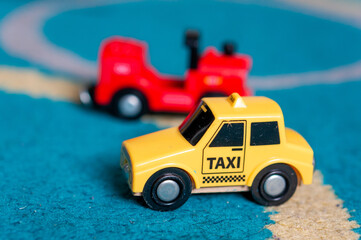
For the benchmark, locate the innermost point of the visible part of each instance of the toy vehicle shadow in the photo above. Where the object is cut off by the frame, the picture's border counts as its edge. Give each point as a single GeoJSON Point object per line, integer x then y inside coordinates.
{"type": "Point", "coordinates": [165, 118]}
{"type": "Point", "coordinates": [247, 196]}
{"type": "Point", "coordinates": [108, 173]}
{"type": "Point", "coordinates": [119, 185]}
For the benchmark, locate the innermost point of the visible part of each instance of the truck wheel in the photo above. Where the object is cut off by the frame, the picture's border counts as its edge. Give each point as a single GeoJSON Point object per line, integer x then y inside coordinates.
{"type": "Point", "coordinates": [167, 190]}
{"type": "Point", "coordinates": [129, 104]}
{"type": "Point", "coordinates": [86, 96]}
{"type": "Point", "coordinates": [274, 185]}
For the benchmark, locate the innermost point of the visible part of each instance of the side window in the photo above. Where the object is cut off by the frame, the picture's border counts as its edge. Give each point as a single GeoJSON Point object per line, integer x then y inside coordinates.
{"type": "Point", "coordinates": [231, 134]}
{"type": "Point", "coordinates": [264, 133]}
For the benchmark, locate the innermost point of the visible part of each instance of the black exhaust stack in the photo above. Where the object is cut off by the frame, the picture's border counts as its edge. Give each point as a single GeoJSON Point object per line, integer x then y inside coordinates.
{"type": "Point", "coordinates": [229, 48]}
{"type": "Point", "coordinates": [192, 41]}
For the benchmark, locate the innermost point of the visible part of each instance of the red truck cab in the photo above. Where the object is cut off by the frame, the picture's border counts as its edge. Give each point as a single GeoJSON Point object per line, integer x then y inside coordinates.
{"type": "Point", "coordinates": [130, 86]}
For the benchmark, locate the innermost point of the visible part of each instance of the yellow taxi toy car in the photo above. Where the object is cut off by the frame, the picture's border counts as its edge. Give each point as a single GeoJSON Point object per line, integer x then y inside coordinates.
{"type": "Point", "coordinates": [226, 144]}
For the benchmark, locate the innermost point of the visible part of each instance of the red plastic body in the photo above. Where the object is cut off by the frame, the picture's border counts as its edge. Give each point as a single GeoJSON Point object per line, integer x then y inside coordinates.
{"type": "Point", "coordinates": [123, 65]}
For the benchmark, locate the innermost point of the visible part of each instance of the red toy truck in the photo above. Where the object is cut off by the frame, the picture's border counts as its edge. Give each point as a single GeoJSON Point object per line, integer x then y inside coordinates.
{"type": "Point", "coordinates": [129, 86]}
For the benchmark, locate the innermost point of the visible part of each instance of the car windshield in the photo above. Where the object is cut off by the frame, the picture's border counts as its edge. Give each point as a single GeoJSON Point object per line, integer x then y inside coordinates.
{"type": "Point", "coordinates": [197, 123]}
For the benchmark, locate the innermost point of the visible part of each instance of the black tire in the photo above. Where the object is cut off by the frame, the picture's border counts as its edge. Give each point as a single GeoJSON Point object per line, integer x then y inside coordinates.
{"type": "Point", "coordinates": [176, 175]}
{"type": "Point", "coordinates": [280, 171]}
{"type": "Point", "coordinates": [123, 111]}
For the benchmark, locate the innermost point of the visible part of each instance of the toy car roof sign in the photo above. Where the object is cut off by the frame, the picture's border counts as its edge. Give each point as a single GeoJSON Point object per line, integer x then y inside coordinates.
{"type": "Point", "coordinates": [236, 101]}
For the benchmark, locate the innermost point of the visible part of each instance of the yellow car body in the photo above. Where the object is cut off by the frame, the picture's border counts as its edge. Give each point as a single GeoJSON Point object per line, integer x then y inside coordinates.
{"type": "Point", "coordinates": [217, 158]}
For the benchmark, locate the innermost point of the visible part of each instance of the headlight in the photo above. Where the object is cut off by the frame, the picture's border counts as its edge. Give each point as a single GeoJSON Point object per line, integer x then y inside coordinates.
{"type": "Point", "coordinates": [314, 164]}
{"type": "Point", "coordinates": [126, 165]}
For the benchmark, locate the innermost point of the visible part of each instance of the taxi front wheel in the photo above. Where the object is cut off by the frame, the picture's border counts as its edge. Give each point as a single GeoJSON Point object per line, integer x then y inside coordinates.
{"type": "Point", "coordinates": [274, 185]}
{"type": "Point", "coordinates": [167, 189]}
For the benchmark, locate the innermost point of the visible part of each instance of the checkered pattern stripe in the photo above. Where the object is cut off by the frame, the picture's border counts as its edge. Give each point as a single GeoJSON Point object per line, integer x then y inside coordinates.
{"type": "Point", "coordinates": [225, 178]}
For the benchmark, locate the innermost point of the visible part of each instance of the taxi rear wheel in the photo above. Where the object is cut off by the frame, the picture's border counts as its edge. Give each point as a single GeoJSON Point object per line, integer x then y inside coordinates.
{"type": "Point", "coordinates": [274, 185]}
{"type": "Point", "coordinates": [167, 189]}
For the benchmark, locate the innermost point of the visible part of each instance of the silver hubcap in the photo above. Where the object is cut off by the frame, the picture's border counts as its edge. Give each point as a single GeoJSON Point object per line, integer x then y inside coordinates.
{"type": "Point", "coordinates": [168, 191]}
{"type": "Point", "coordinates": [85, 98]}
{"type": "Point", "coordinates": [130, 105]}
{"type": "Point", "coordinates": [274, 185]}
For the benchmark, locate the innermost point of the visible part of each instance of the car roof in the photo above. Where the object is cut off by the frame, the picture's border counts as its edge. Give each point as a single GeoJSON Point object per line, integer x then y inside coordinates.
{"type": "Point", "coordinates": [237, 107]}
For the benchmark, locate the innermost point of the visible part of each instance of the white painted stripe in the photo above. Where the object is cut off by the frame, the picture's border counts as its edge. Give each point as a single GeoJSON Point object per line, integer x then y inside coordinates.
{"type": "Point", "coordinates": [345, 11]}
{"type": "Point", "coordinates": [348, 73]}
{"type": "Point", "coordinates": [21, 36]}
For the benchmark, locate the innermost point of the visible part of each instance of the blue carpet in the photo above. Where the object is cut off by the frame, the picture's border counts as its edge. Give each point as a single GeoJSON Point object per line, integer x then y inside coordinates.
{"type": "Point", "coordinates": [279, 41]}
{"type": "Point", "coordinates": [59, 163]}
{"type": "Point", "coordinates": [60, 177]}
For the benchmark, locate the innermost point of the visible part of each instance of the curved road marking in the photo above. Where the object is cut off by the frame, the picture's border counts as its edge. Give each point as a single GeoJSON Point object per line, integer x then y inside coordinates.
{"type": "Point", "coordinates": [314, 212]}
{"type": "Point", "coordinates": [164, 120]}
{"type": "Point", "coordinates": [38, 85]}
{"type": "Point", "coordinates": [21, 36]}
{"type": "Point", "coordinates": [348, 73]}
{"type": "Point", "coordinates": [347, 12]}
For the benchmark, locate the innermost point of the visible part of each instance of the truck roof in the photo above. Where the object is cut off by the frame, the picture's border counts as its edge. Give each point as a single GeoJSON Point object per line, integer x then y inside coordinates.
{"type": "Point", "coordinates": [237, 107]}
{"type": "Point", "coordinates": [121, 47]}
{"type": "Point", "coordinates": [213, 62]}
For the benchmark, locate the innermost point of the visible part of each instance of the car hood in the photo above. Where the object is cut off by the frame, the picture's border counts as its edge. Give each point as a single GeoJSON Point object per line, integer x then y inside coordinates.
{"type": "Point", "coordinates": [154, 147]}
{"type": "Point", "coordinates": [296, 140]}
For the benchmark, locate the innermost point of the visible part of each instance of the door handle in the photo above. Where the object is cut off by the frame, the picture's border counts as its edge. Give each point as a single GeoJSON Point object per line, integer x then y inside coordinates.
{"type": "Point", "coordinates": [237, 149]}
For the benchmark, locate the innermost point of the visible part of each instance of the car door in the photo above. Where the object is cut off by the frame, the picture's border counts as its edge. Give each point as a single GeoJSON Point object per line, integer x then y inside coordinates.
{"type": "Point", "coordinates": [225, 151]}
